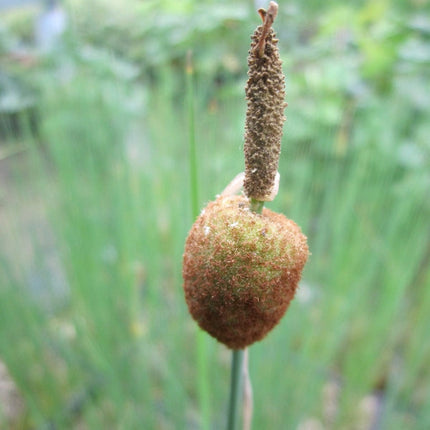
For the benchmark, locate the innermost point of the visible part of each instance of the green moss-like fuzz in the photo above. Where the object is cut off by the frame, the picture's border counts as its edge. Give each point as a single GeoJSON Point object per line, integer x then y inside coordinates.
{"type": "Point", "coordinates": [241, 270]}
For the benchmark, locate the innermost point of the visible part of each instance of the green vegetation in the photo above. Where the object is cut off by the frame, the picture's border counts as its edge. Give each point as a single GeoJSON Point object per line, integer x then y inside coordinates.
{"type": "Point", "coordinates": [94, 327]}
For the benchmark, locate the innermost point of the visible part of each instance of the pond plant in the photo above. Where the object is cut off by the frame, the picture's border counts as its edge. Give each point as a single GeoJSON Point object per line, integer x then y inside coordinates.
{"type": "Point", "coordinates": [242, 262]}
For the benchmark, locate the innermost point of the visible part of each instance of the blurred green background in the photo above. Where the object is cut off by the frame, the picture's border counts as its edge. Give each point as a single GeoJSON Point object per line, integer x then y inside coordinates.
{"type": "Point", "coordinates": [95, 205]}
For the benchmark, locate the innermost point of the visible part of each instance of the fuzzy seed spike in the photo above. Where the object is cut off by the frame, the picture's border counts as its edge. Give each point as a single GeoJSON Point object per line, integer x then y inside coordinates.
{"type": "Point", "coordinates": [241, 270]}
{"type": "Point", "coordinates": [265, 95]}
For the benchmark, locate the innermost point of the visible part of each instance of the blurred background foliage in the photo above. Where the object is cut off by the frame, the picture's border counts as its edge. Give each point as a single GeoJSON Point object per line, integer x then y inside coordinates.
{"type": "Point", "coordinates": [95, 207]}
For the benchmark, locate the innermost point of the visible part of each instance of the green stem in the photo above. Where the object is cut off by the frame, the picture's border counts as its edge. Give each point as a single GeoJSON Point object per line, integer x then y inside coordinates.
{"type": "Point", "coordinates": [203, 388]}
{"type": "Point", "coordinates": [192, 139]}
{"type": "Point", "coordinates": [257, 206]}
{"type": "Point", "coordinates": [235, 388]}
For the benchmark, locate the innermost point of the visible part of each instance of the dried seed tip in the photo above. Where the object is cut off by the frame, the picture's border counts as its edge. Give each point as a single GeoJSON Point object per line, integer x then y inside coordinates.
{"type": "Point", "coordinates": [268, 18]}
{"type": "Point", "coordinates": [265, 95]}
{"type": "Point", "coordinates": [241, 270]}
{"type": "Point", "coordinates": [262, 12]}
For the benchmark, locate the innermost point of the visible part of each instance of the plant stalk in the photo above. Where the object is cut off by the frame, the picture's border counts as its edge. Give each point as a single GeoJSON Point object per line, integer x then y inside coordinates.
{"type": "Point", "coordinates": [256, 206]}
{"type": "Point", "coordinates": [192, 138]}
{"type": "Point", "coordinates": [235, 388]}
{"type": "Point", "coordinates": [203, 388]}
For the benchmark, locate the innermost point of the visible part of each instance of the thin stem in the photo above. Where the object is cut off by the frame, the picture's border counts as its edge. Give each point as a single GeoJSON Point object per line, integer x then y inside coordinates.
{"type": "Point", "coordinates": [235, 388]}
{"type": "Point", "coordinates": [256, 206]}
{"type": "Point", "coordinates": [203, 388]}
{"type": "Point", "coordinates": [192, 138]}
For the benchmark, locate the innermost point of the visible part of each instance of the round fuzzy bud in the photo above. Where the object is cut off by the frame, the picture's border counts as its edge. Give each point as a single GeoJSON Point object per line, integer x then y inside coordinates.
{"type": "Point", "coordinates": [265, 95]}
{"type": "Point", "coordinates": [241, 270]}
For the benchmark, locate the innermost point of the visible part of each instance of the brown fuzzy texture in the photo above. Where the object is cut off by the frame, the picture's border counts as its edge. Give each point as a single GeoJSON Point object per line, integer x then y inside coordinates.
{"type": "Point", "coordinates": [241, 270]}
{"type": "Point", "coordinates": [265, 95]}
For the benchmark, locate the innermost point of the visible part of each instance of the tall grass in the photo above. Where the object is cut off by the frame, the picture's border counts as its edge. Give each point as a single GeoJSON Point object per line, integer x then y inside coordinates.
{"type": "Point", "coordinates": [115, 347]}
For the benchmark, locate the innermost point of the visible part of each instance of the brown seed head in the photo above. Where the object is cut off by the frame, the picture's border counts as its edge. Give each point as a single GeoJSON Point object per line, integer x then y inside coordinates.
{"type": "Point", "coordinates": [265, 95]}
{"type": "Point", "coordinates": [241, 270]}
